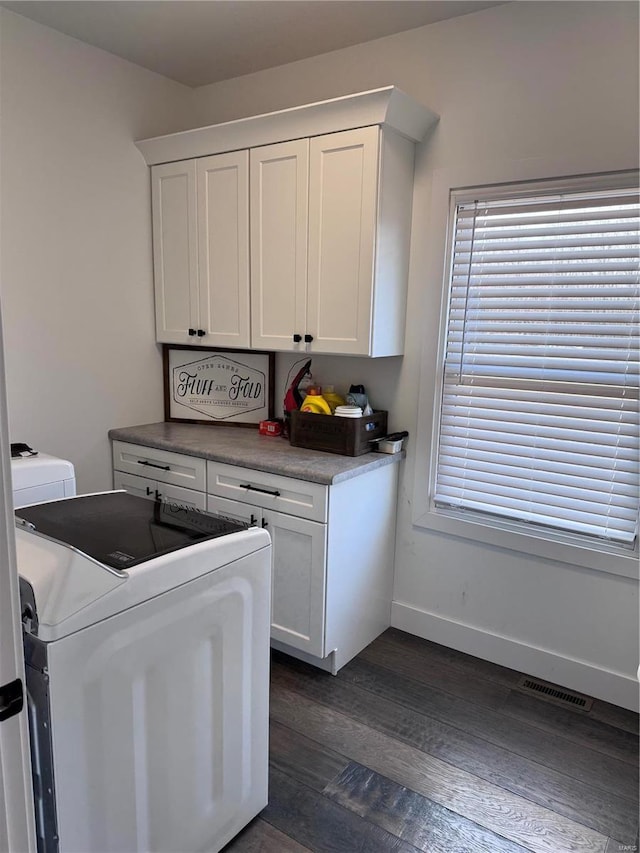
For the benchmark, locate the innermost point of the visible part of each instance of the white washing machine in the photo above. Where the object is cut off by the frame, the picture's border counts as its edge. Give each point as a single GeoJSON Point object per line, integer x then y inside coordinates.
{"type": "Point", "coordinates": [146, 632]}
{"type": "Point", "coordinates": [41, 478]}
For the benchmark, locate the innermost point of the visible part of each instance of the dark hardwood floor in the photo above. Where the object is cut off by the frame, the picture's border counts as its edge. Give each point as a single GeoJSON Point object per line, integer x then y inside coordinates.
{"type": "Point", "coordinates": [413, 746]}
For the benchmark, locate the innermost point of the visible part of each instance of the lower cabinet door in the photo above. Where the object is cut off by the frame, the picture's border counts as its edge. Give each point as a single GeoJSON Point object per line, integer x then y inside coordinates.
{"type": "Point", "coordinates": [182, 497]}
{"type": "Point", "coordinates": [298, 584]}
{"type": "Point", "coordinates": [154, 490]}
{"type": "Point", "coordinates": [234, 510]}
{"type": "Point", "coordinates": [140, 486]}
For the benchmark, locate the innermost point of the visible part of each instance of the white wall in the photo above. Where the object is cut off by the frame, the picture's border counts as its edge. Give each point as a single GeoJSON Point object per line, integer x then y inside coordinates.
{"type": "Point", "coordinates": [75, 230]}
{"type": "Point", "coordinates": [524, 90]}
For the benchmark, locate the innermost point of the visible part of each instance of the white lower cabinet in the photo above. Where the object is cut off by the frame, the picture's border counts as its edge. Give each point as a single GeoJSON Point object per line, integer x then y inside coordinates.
{"type": "Point", "coordinates": [332, 579]}
{"type": "Point", "coordinates": [333, 545]}
{"type": "Point", "coordinates": [298, 576]}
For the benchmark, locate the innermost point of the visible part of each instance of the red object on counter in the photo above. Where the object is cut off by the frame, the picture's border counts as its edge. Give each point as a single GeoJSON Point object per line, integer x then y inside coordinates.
{"type": "Point", "coordinates": [270, 428]}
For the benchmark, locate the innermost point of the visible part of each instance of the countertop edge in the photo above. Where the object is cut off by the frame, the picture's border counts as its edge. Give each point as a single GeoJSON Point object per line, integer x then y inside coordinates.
{"type": "Point", "coordinates": [295, 468]}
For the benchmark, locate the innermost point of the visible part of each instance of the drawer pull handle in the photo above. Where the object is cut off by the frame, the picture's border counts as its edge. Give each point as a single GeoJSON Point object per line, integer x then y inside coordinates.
{"type": "Point", "coordinates": [251, 488]}
{"type": "Point", "coordinates": [149, 491]}
{"type": "Point", "coordinates": [153, 465]}
{"type": "Point", "coordinates": [264, 524]}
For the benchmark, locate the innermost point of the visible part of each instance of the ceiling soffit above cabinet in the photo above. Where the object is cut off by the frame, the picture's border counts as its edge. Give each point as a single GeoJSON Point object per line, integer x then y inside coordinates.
{"type": "Point", "coordinates": [388, 106]}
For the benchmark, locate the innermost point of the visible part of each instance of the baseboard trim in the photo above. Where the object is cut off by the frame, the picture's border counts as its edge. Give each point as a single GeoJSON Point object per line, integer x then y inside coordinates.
{"type": "Point", "coordinates": [586, 678]}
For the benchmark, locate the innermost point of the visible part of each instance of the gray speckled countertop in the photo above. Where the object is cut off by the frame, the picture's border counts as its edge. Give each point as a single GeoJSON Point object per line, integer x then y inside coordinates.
{"type": "Point", "coordinates": [248, 449]}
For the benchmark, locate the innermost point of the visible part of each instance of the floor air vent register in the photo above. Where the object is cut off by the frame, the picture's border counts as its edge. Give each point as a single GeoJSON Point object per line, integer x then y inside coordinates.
{"type": "Point", "coordinates": [555, 694]}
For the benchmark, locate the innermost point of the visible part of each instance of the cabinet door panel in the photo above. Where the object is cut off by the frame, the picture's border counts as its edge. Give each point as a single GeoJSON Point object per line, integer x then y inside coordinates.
{"type": "Point", "coordinates": [175, 251]}
{"type": "Point", "coordinates": [183, 497]}
{"type": "Point", "coordinates": [343, 179]}
{"type": "Point", "coordinates": [279, 194]}
{"type": "Point", "coordinates": [235, 510]}
{"type": "Point", "coordinates": [298, 591]}
{"type": "Point", "coordinates": [140, 486]}
{"type": "Point", "coordinates": [154, 490]}
{"type": "Point", "coordinates": [223, 249]}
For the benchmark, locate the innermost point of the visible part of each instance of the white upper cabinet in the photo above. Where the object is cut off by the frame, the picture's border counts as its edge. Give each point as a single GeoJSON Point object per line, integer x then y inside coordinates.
{"type": "Point", "coordinates": [327, 189]}
{"type": "Point", "coordinates": [329, 265]}
{"type": "Point", "coordinates": [223, 248]}
{"type": "Point", "coordinates": [343, 190]}
{"type": "Point", "coordinates": [175, 250]}
{"type": "Point", "coordinates": [201, 250]}
{"type": "Point", "coordinates": [279, 200]}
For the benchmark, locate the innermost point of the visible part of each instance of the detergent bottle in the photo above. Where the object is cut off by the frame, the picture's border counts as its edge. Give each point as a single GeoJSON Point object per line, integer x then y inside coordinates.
{"type": "Point", "coordinates": [334, 400]}
{"type": "Point", "coordinates": [315, 402]}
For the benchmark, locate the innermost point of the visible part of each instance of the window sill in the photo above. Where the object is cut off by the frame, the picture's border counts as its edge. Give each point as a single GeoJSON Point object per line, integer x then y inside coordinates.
{"type": "Point", "coordinates": [561, 548]}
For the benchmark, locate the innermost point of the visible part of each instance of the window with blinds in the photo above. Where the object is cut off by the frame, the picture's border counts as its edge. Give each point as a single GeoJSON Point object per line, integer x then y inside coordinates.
{"type": "Point", "coordinates": [539, 410]}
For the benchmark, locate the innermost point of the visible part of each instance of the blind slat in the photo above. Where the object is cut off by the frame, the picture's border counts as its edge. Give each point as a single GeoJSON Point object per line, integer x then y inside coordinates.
{"type": "Point", "coordinates": [545, 266]}
{"type": "Point", "coordinates": [567, 229]}
{"type": "Point", "coordinates": [552, 253]}
{"type": "Point", "coordinates": [556, 242]}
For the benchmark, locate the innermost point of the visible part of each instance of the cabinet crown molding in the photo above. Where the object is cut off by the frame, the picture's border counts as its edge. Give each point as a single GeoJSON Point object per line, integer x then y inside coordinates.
{"type": "Point", "coordinates": [388, 107]}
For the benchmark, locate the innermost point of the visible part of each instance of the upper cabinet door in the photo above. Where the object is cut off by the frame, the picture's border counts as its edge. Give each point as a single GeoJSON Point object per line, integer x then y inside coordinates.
{"type": "Point", "coordinates": [279, 199]}
{"type": "Point", "coordinates": [223, 249]}
{"type": "Point", "coordinates": [343, 193]}
{"type": "Point", "coordinates": [175, 250]}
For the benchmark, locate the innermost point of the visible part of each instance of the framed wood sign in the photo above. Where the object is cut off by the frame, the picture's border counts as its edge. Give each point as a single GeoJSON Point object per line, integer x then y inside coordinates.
{"type": "Point", "coordinates": [217, 386]}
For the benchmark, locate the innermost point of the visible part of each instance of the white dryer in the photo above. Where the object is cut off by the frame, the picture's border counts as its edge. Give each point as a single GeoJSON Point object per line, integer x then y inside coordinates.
{"type": "Point", "coordinates": [147, 653]}
{"type": "Point", "coordinates": [40, 477]}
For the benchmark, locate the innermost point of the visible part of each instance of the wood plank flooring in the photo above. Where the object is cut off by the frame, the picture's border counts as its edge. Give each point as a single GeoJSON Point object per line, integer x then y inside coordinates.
{"type": "Point", "coordinates": [413, 746]}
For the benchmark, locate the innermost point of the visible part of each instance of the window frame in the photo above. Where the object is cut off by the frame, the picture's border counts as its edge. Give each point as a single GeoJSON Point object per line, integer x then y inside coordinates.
{"type": "Point", "coordinates": [518, 536]}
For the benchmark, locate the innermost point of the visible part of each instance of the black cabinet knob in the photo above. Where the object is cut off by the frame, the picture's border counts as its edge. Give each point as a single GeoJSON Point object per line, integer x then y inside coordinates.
{"type": "Point", "coordinates": [297, 338]}
{"type": "Point", "coordinates": [201, 333]}
{"type": "Point", "coordinates": [308, 339]}
{"type": "Point", "coordinates": [192, 332]}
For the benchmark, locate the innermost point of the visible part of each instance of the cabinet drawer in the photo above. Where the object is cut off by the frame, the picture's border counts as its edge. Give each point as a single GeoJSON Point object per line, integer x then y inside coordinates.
{"type": "Point", "coordinates": [271, 491]}
{"type": "Point", "coordinates": [162, 465]}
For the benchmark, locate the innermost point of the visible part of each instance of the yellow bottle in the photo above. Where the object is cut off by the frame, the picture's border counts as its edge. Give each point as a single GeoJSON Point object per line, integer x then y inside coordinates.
{"type": "Point", "coordinates": [315, 403]}
{"type": "Point", "coordinates": [332, 398]}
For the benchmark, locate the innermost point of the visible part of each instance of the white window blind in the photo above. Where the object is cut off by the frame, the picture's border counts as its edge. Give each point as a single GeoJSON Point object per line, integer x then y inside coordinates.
{"type": "Point", "coordinates": [539, 413]}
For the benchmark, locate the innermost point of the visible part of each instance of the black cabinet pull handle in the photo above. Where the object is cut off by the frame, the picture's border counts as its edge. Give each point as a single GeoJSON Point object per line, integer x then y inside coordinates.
{"type": "Point", "coordinates": [297, 338]}
{"type": "Point", "coordinates": [11, 699]}
{"type": "Point", "coordinates": [201, 333]}
{"type": "Point", "coordinates": [153, 465]}
{"type": "Point", "coordinates": [251, 488]}
{"type": "Point", "coordinates": [149, 490]}
{"type": "Point", "coordinates": [264, 523]}
{"type": "Point", "coordinates": [192, 332]}
{"type": "Point", "coordinates": [158, 495]}
{"type": "Point", "coordinates": [253, 520]}
{"type": "Point", "coordinates": [308, 339]}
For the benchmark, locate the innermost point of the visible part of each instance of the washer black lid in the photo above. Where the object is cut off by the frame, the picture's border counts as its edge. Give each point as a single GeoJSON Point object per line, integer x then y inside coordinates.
{"type": "Point", "coordinates": [123, 530]}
